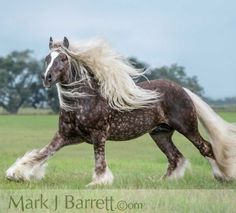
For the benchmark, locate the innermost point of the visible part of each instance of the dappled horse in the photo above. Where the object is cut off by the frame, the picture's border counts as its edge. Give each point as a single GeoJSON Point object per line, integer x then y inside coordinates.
{"type": "Point", "coordinates": [100, 101]}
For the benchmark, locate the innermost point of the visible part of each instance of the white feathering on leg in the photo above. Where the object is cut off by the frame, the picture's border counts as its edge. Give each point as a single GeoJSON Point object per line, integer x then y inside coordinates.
{"type": "Point", "coordinates": [178, 173]}
{"type": "Point", "coordinates": [27, 167]}
{"type": "Point", "coordinates": [215, 169]}
{"type": "Point", "coordinates": [105, 178]}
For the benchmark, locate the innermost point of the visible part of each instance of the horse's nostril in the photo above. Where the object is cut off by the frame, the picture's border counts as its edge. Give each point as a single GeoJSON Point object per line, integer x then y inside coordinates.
{"type": "Point", "coordinates": [49, 77]}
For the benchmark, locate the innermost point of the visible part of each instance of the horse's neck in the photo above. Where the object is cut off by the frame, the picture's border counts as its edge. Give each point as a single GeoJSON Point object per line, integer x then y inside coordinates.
{"type": "Point", "coordinates": [89, 82]}
{"type": "Point", "coordinates": [81, 87]}
{"type": "Point", "coordinates": [85, 98]}
{"type": "Point", "coordinates": [78, 91]}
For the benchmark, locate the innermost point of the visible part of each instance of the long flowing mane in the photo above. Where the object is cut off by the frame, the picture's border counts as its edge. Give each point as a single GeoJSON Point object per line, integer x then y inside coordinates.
{"type": "Point", "coordinates": [114, 74]}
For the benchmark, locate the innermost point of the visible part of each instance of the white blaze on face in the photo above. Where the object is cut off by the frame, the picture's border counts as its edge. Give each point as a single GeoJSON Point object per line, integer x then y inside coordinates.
{"type": "Point", "coordinates": [53, 55]}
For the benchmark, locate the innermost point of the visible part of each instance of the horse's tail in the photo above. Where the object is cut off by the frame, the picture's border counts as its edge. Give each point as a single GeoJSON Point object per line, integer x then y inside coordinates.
{"type": "Point", "coordinates": [222, 136]}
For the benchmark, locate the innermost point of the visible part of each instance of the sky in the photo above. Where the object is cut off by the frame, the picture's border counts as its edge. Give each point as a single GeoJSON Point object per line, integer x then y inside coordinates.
{"type": "Point", "coordinates": [199, 35]}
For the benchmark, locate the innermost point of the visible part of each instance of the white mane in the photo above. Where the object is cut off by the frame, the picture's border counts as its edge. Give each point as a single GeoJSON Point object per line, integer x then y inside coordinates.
{"type": "Point", "coordinates": [113, 73]}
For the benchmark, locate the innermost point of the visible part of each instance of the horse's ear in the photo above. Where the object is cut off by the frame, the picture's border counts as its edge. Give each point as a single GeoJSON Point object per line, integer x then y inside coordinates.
{"type": "Point", "coordinates": [50, 43]}
{"type": "Point", "coordinates": [66, 42]}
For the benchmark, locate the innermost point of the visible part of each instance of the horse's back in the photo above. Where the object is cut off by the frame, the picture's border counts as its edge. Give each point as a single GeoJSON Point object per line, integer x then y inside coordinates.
{"type": "Point", "coordinates": [174, 101]}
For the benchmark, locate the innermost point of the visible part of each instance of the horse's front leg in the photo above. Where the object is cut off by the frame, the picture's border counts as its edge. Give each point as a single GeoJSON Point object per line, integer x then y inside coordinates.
{"type": "Point", "coordinates": [102, 175]}
{"type": "Point", "coordinates": [32, 165]}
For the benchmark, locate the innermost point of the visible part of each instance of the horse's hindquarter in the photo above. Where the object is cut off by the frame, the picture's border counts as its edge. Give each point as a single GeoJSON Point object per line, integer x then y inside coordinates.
{"type": "Point", "coordinates": [177, 106]}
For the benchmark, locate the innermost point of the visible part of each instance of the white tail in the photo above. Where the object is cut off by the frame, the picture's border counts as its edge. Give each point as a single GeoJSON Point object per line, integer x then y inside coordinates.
{"type": "Point", "coordinates": [222, 136]}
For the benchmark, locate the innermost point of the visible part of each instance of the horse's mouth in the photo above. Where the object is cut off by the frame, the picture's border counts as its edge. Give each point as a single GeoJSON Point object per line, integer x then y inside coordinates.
{"type": "Point", "coordinates": [47, 84]}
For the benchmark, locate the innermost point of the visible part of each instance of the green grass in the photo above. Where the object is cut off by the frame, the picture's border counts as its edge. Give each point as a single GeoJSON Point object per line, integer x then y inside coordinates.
{"type": "Point", "coordinates": [28, 111]}
{"type": "Point", "coordinates": [136, 164]}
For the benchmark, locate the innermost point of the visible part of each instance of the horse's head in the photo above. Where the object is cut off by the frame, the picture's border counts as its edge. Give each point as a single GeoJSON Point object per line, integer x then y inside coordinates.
{"type": "Point", "coordinates": [57, 64]}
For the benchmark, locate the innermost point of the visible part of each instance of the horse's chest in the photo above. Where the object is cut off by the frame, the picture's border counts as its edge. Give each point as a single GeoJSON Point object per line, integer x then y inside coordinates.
{"type": "Point", "coordinates": [68, 124]}
{"type": "Point", "coordinates": [67, 127]}
{"type": "Point", "coordinates": [75, 125]}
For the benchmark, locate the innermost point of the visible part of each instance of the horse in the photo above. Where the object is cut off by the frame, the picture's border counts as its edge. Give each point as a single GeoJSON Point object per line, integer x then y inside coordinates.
{"type": "Point", "coordinates": [100, 101]}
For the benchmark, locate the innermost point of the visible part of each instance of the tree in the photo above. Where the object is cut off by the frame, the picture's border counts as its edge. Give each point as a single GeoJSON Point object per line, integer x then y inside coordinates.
{"type": "Point", "coordinates": [173, 73]}
{"type": "Point", "coordinates": [137, 63]}
{"type": "Point", "coordinates": [21, 84]}
{"type": "Point", "coordinates": [177, 74]}
{"type": "Point", "coordinates": [18, 79]}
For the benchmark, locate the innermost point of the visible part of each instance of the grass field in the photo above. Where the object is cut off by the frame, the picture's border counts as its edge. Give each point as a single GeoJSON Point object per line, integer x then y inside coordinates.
{"type": "Point", "coordinates": [136, 164]}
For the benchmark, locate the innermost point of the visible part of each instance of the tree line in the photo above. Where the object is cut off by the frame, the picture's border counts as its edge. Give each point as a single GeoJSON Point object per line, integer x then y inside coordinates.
{"type": "Point", "coordinates": [21, 84]}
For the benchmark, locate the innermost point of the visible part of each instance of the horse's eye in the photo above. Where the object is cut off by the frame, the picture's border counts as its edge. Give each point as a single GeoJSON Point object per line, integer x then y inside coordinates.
{"type": "Point", "coordinates": [63, 59]}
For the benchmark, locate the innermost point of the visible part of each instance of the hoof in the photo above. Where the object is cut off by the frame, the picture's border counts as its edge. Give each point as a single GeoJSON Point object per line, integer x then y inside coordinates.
{"type": "Point", "coordinates": [27, 168]}
{"type": "Point", "coordinates": [179, 171]}
{"type": "Point", "coordinates": [163, 177]}
{"type": "Point", "coordinates": [105, 178]}
{"type": "Point", "coordinates": [217, 173]}
{"type": "Point", "coordinates": [92, 184]}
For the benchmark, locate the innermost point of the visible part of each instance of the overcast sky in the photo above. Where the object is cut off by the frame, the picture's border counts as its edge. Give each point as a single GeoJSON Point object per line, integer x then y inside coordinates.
{"type": "Point", "coordinates": [199, 35]}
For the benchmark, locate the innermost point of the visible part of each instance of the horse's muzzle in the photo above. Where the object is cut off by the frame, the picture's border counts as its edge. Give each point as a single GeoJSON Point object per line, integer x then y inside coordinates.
{"type": "Point", "coordinates": [47, 80]}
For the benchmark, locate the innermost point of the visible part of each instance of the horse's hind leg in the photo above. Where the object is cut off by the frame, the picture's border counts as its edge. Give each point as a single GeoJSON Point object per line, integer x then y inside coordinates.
{"type": "Point", "coordinates": [206, 150]}
{"type": "Point", "coordinates": [162, 135]}
{"type": "Point", "coordinates": [188, 126]}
